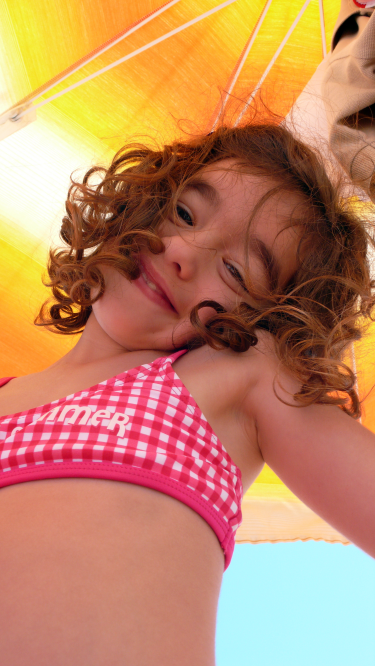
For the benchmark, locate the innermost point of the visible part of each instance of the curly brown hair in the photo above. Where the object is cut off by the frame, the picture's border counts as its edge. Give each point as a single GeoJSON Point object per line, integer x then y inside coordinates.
{"type": "Point", "coordinates": [314, 319]}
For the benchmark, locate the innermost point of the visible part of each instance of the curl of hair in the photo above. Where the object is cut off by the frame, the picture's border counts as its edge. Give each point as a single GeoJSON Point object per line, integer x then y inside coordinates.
{"type": "Point", "coordinates": [314, 318]}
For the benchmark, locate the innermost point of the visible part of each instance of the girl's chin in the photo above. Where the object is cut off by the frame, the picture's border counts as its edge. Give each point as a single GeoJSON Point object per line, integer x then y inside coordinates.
{"type": "Point", "coordinates": [129, 333]}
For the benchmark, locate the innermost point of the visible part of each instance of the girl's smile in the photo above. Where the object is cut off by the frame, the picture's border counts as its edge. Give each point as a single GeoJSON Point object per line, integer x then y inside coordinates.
{"type": "Point", "coordinates": [152, 286]}
{"type": "Point", "coordinates": [208, 254]}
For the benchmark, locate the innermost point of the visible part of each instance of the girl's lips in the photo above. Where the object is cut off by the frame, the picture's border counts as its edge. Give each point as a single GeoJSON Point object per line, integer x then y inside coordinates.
{"type": "Point", "coordinates": [151, 288]}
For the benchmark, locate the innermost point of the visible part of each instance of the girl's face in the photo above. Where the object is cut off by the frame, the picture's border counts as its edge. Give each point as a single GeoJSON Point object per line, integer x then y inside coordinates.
{"type": "Point", "coordinates": [205, 257]}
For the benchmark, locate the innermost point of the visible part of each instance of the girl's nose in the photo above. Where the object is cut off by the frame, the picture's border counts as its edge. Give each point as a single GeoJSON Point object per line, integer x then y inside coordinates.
{"type": "Point", "coordinates": [184, 257]}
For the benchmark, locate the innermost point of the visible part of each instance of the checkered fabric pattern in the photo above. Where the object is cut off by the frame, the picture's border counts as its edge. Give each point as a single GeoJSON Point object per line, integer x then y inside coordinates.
{"type": "Point", "coordinates": [141, 427]}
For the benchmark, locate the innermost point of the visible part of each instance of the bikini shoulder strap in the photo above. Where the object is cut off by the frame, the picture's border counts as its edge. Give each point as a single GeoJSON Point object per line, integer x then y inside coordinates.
{"type": "Point", "coordinates": [5, 380]}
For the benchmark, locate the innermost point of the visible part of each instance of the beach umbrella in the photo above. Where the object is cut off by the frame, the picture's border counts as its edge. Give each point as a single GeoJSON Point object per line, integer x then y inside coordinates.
{"type": "Point", "coordinates": [78, 80]}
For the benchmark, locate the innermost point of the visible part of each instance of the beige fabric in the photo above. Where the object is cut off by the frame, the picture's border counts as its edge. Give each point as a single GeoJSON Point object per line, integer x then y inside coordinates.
{"type": "Point", "coordinates": [272, 513]}
{"type": "Point", "coordinates": [348, 7]}
{"type": "Point", "coordinates": [348, 89]}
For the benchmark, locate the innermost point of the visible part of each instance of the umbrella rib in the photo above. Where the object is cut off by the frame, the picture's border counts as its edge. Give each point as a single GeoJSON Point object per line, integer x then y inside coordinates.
{"type": "Point", "coordinates": [237, 70]}
{"type": "Point", "coordinates": [30, 108]}
{"type": "Point", "coordinates": [46, 87]}
{"type": "Point", "coordinates": [322, 28]}
{"type": "Point", "coordinates": [272, 61]}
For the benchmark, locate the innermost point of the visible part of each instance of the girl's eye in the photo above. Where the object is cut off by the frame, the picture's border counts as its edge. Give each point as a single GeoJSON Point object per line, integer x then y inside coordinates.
{"type": "Point", "coordinates": [184, 215]}
{"type": "Point", "coordinates": [236, 274]}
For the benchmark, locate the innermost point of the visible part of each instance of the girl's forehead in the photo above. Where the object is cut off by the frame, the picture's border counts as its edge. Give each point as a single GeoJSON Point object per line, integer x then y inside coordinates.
{"type": "Point", "coordinates": [227, 184]}
{"type": "Point", "coordinates": [231, 179]}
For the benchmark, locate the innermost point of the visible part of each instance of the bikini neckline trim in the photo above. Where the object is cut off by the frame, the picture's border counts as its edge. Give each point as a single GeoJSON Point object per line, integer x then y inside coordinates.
{"type": "Point", "coordinates": [91, 389]}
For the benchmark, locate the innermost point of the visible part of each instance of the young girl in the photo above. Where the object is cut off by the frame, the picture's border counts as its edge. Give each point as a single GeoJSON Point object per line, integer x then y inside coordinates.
{"type": "Point", "coordinates": [217, 284]}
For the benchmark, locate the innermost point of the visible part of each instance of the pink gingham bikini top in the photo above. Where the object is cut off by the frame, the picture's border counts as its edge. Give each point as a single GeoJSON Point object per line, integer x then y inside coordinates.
{"type": "Point", "coordinates": [140, 427]}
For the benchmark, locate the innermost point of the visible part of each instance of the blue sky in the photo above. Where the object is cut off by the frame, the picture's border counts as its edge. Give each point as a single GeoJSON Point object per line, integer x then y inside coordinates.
{"type": "Point", "coordinates": [297, 604]}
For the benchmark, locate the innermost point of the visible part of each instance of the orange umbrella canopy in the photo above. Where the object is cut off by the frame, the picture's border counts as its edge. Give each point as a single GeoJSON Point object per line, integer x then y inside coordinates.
{"type": "Point", "coordinates": [179, 78]}
{"type": "Point", "coordinates": [178, 61]}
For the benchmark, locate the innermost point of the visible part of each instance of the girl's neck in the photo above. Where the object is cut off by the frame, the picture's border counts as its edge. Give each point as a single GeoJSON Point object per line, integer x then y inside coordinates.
{"type": "Point", "coordinates": [95, 347]}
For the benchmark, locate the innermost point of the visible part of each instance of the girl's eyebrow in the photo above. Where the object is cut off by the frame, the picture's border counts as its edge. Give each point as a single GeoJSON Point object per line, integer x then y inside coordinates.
{"type": "Point", "coordinates": [206, 190]}
{"type": "Point", "coordinates": [268, 259]}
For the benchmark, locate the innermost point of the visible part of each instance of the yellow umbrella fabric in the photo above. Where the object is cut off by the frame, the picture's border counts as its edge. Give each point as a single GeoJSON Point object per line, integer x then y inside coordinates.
{"type": "Point", "coordinates": [182, 76]}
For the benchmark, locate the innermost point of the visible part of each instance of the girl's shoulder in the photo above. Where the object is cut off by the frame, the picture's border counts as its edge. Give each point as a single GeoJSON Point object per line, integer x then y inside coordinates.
{"type": "Point", "coordinates": [227, 375]}
{"type": "Point", "coordinates": [221, 375]}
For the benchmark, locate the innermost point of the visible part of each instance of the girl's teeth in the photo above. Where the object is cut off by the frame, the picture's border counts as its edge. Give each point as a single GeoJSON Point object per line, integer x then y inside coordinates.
{"type": "Point", "coordinates": [149, 283]}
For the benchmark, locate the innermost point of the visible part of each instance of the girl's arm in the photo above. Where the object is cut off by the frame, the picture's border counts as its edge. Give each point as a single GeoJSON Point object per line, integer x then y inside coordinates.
{"type": "Point", "coordinates": [323, 455]}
